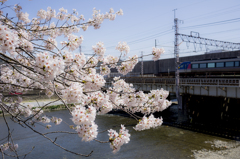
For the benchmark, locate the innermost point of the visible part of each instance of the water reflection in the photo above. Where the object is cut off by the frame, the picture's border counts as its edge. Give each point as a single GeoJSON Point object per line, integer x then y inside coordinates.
{"type": "Point", "coordinates": [163, 142]}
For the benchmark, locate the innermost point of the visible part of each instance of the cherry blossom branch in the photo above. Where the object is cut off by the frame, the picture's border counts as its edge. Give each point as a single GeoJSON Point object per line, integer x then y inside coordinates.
{"type": "Point", "coordinates": [40, 110]}
{"type": "Point", "coordinates": [9, 133]}
{"type": "Point", "coordinates": [56, 143]}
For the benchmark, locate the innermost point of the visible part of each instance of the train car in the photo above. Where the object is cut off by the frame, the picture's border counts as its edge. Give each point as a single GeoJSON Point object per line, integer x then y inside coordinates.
{"type": "Point", "coordinates": [185, 67]}
{"type": "Point", "coordinates": [221, 67]}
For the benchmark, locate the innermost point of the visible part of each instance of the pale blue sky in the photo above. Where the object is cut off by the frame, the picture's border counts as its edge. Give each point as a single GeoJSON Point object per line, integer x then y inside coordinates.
{"type": "Point", "coordinates": [146, 20]}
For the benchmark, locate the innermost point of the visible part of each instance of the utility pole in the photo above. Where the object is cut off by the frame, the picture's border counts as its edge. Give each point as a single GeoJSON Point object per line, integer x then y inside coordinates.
{"type": "Point", "coordinates": [142, 68]}
{"type": "Point", "coordinates": [176, 54]}
{"type": "Point", "coordinates": [142, 64]}
{"type": "Point", "coordinates": [80, 49]}
{"type": "Point", "coordinates": [154, 64]}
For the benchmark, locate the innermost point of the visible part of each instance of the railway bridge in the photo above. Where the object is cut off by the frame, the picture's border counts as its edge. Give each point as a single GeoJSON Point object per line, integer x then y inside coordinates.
{"type": "Point", "coordinates": [201, 99]}
{"type": "Point", "coordinates": [216, 87]}
{"type": "Point", "coordinates": [209, 84]}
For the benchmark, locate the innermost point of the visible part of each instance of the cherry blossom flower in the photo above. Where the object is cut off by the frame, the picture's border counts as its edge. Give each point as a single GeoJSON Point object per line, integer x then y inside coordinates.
{"type": "Point", "coordinates": [50, 44]}
{"type": "Point", "coordinates": [157, 53]}
{"type": "Point", "coordinates": [80, 60]}
{"type": "Point", "coordinates": [111, 60]}
{"type": "Point", "coordinates": [118, 139]}
{"type": "Point", "coordinates": [23, 16]}
{"type": "Point", "coordinates": [99, 49]}
{"type": "Point", "coordinates": [73, 42]}
{"type": "Point", "coordinates": [56, 120]}
{"type": "Point", "coordinates": [8, 40]}
{"type": "Point", "coordinates": [148, 122]}
{"type": "Point", "coordinates": [104, 70]}
{"type": "Point", "coordinates": [74, 93]}
{"type": "Point", "coordinates": [123, 47]}
{"type": "Point", "coordinates": [87, 132]}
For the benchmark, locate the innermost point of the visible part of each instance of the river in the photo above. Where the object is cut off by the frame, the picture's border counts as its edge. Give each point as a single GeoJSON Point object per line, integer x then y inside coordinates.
{"type": "Point", "coordinates": [164, 142]}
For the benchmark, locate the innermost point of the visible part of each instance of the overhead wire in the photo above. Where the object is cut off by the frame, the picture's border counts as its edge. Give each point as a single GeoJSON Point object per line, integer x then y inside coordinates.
{"type": "Point", "coordinates": [213, 23]}
{"type": "Point", "coordinates": [145, 38]}
{"type": "Point", "coordinates": [213, 12]}
{"type": "Point", "coordinates": [221, 31]}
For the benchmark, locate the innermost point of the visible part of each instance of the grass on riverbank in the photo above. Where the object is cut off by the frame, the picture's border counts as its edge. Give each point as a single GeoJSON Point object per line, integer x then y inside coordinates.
{"type": "Point", "coordinates": [53, 107]}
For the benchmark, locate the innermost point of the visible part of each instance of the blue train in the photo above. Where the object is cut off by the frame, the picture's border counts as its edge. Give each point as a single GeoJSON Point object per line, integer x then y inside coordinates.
{"type": "Point", "coordinates": [211, 67]}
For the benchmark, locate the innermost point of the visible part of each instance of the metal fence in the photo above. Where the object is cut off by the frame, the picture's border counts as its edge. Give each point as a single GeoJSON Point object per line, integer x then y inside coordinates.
{"type": "Point", "coordinates": [185, 81]}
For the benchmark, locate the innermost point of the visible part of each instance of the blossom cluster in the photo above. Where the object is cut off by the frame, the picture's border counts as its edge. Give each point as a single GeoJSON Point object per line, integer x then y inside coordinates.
{"type": "Point", "coordinates": [80, 60]}
{"type": "Point", "coordinates": [157, 53]}
{"type": "Point", "coordinates": [73, 93]}
{"type": "Point", "coordinates": [8, 40]}
{"type": "Point", "coordinates": [15, 81]}
{"type": "Point", "coordinates": [118, 139]}
{"type": "Point", "coordinates": [73, 42]}
{"type": "Point", "coordinates": [148, 122]}
{"type": "Point", "coordinates": [23, 17]}
{"type": "Point", "coordinates": [50, 13]}
{"type": "Point", "coordinates": [104, 70]}
{"type": "Point", "coordinates": [87, 132]}
{"type": "Point", "coordinates": [100, 101]}
{"type": "Point", "coordinates": [50, 44]}
{"type": "Point", "coordinates": [99, 49]}
{"type": "Point", "coordinates": [9, 146]}
{"type": "Point", "coordinates": [25, 41]}
{"type": "Point", "coordinates": [84, 119]}
{"type": "Point", "coordinates": [56, 120]}
{"type": "Point", "coordinates": [49, 66]}
{"type": "Point", "coordinates": [93, 82]}
{"type": "Point", "coordinates": [91, 62]}
{"type": "Point", "coordinates": [123, 47]}
{"type": "Point", "coordinates": [128, 65]}
{"type": "Point", "coordinates": [83, 116]}
{"type": "Point", "coordinates": [137, 101]}
{"type": "Point", "coordinates": [120, 85]}
{"type": "Point", "coordinates": [111, 61]}
{"type": "Point", "coordinates": [98, 18]}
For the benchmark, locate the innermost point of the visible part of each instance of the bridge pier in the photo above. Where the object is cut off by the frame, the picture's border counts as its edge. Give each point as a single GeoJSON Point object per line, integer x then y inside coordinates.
{"type": "Point", "coordinates": [183, 108]}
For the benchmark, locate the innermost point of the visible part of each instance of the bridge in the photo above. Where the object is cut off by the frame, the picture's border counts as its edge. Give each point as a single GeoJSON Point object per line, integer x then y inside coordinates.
{"type": "Point", "coordinates": [201, 99]}
{"type": "Point", "coordinates": [216, 87]}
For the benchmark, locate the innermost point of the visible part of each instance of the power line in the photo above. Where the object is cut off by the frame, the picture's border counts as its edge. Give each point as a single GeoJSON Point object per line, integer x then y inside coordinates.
{"type": "Point", "coordinates": [144, 39]}
{"type": "Point", "coordinates": [145, 33]}
{"type": "Point", "coordinates": [222, 31]}
{"type": "Point", "coordinates": [207, 14]}
{"type": "Point", "coordinates": [213, 23]}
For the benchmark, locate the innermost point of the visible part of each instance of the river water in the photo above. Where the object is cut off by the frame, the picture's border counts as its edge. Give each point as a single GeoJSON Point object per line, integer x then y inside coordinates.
{"type": "Point", "coordinates": [164, 142]}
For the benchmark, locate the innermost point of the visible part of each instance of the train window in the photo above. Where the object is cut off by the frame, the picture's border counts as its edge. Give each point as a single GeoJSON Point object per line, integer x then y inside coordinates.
{"type": "Point", "coordinates": [211, 65]}
{"type": "Point", "coordinates": [229, 64]}
{"type": "Point", "coordinates": [203, 65]}
{"type": "Point", "coordinates": [236, 63]}
{"type": "Point", "coordinates": [194, 65]}
{"type": "Point", "coordinates": [220, 64]}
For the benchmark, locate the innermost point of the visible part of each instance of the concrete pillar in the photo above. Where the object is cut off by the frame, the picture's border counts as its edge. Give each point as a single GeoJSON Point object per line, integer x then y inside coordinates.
{"type": "Point", "coordinates": [182, 108]}
{"type": "Point", "coordinates": [180, 102]}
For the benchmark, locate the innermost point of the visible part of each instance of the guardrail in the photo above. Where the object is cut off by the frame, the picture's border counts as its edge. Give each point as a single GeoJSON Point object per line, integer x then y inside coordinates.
{"type": "Point", "coordinates": [185, 81]}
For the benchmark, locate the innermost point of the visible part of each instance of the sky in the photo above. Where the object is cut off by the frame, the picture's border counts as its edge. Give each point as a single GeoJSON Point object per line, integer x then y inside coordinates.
{"type": "Point", "coordinates": [147, 21]}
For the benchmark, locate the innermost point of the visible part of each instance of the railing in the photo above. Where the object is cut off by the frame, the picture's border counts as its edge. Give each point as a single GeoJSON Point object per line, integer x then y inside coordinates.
{"type": "Point", "coordinates": [215, 82]}
{"type": "Point", "coordinates": [184, 81]}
